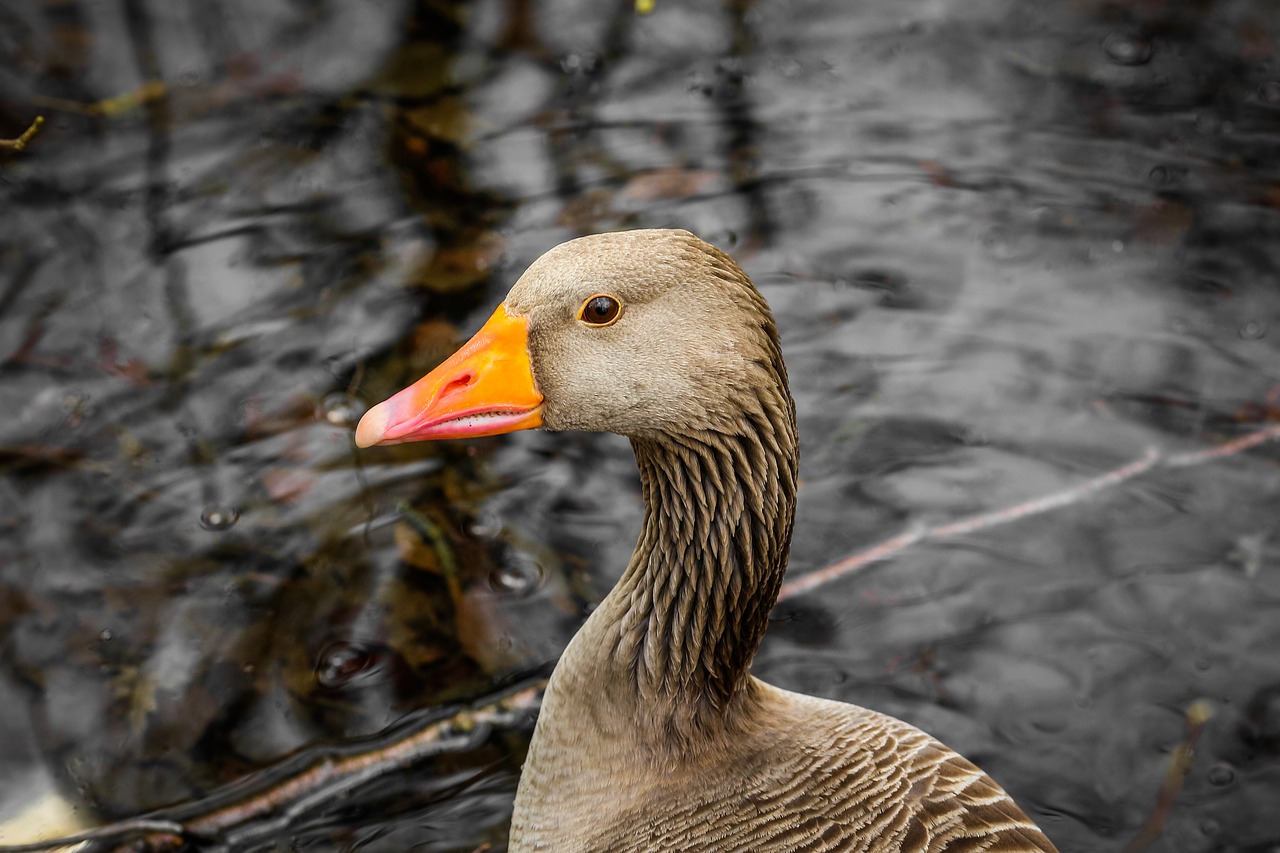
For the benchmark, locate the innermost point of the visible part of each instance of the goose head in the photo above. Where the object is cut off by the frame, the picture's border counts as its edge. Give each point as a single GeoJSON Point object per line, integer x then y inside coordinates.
{"type": "Point", "coordinates": [642, 333]}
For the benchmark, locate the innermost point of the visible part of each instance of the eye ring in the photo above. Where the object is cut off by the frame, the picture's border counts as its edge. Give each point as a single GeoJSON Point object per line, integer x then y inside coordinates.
{"type": "Point", "coordinates": [600, 310]}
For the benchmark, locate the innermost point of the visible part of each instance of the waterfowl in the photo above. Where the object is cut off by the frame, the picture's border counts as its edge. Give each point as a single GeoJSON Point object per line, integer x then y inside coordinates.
{"type": "Point", "coordinates": [653, 734]}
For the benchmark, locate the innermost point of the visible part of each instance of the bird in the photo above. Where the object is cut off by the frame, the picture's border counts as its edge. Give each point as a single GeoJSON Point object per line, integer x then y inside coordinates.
{"type": "Point", "coordinates": [653, 734]}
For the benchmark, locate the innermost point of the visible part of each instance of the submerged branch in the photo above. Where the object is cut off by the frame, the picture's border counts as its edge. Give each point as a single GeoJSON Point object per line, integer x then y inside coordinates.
{"type": "Point", "coordinates": [21, 142]}
{"type": "Point", "coordinates": [1151, 460]}
{"type": "Point", "coordinates": [323, 779]}
{"type": "Point", "coordinates": [1174, 777]}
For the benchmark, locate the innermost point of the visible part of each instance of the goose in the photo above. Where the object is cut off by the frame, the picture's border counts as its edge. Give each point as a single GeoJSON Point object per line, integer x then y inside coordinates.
{"type": "Point", "coordinates": [653, 735]}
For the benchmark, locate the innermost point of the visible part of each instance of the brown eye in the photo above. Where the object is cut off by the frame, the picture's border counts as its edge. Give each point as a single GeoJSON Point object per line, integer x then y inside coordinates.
{"type": "Point", "coordinates": [600, 310]}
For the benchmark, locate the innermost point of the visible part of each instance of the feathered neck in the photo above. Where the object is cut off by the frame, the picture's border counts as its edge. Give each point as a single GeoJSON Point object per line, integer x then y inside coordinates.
{"type": "Point", "coordinates": [671, 645]}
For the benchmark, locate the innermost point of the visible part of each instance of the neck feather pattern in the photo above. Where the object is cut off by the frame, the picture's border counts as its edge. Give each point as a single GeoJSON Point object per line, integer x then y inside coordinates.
{"type": "Point", "coordinates": [697, 594]}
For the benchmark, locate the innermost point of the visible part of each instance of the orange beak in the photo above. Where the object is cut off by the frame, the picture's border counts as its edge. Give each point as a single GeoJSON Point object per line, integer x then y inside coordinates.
{"type": "Point", "coordinates": [485, 388]}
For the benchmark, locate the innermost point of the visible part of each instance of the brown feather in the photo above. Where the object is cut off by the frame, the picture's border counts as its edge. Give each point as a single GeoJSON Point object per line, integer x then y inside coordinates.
{"type": "Point", "coordinates": [653, 735]}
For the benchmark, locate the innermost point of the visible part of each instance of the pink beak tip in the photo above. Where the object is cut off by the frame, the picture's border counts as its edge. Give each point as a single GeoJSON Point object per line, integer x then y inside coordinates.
{"type": "Point", "coordinates": [373, 426]}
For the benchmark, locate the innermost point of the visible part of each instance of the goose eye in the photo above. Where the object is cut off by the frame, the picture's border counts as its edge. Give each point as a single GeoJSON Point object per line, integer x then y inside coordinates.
{"type": "Point", "coordinates": [600, 310]}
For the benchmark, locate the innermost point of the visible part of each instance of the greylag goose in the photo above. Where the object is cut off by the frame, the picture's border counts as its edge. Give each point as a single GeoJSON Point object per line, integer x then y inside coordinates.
{"type": "Point", "coordinates": [653, 734]}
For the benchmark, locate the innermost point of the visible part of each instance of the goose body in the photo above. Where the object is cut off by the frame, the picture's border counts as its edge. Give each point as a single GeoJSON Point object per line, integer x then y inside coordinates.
{"type": "Point", "coordinates": [653, 734]}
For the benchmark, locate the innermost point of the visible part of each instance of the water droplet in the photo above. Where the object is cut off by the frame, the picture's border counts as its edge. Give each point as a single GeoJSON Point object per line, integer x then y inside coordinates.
{"type": "Point", "coordinates": [1210, 827]}
{"type": "Point", "coordinates": [1269, 93]}
{"type": "Point", "coordinates": [1158, 176]}
{"type": "Point", "coordinates": [699, 85]}
{"type": "Point", "coordinates": [1253, 330]}
{"type": "Point", "coordinates": [1127, 49]}
{"type": "Point", "coordinates": [340, 662]}
{"type": "Point", "coordinates": [105, 634]}
{"type": "Point", "coordinates": [580, 64]}
{"type": "Point", "coordinates": [1117, 246]}
{"type": "Point", "coordinates": [1221, 774]}
{"type": "Point", "coordinates": [519, 576]}
{"type": "Point", "coordinates": [341, 410]}
{"type": "Point", "coordinates": [218, 517]}
{"type": "Point", "coordinates": [1008, 245]}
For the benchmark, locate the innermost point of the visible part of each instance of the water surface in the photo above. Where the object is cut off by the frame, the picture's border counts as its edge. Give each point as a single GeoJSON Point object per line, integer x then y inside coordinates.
{"type": "Point", "coordinates": [1010, 247]}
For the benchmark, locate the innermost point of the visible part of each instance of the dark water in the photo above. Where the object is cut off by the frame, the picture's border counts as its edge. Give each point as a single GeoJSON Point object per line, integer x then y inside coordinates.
{"type": "Point", "coordinates": [1010, 246]}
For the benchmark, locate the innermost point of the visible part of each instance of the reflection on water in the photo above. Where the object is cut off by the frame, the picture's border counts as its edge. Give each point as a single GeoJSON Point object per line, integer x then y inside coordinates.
{"type": "Point", "coordinates": [1009, 247]}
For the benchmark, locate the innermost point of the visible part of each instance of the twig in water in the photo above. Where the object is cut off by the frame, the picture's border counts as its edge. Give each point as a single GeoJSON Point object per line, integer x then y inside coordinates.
{"type": "Point", "coordinates": [1221, 451]}
{"type": "Point", "coordinates": [1150, 460]}
{"type": "Point", "coordinates": [1174, 777]}
{"type": "Point", "coordinates": [21, 142]}
{"type": "Point", "coordinates": [889, 547]}
{"type": "Point", "coordinates": [320, 782]}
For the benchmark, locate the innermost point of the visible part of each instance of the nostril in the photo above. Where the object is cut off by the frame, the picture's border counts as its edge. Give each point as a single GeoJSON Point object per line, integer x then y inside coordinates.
{"type": "Point", "coordinates": [458, 384]}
